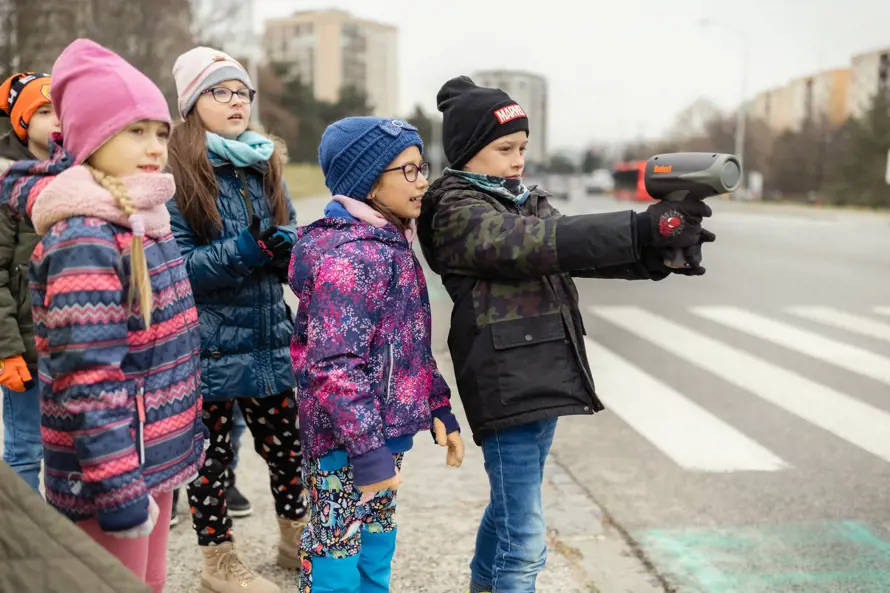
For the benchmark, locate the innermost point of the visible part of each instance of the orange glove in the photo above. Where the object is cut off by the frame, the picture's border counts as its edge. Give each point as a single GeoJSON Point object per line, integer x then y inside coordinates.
{"type": "Point", "coordinates": [15, 375]}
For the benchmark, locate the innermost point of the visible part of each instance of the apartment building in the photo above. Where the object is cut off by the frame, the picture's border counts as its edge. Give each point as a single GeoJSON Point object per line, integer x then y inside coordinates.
{"type": "Point", "coordinates": [331, 49]}
{"type": "Point", "coordinates": [530, 91]}
{"type": "Point", "coordinates": [809, 98]}
{"type": "Point", "coordinates": [869, 74]}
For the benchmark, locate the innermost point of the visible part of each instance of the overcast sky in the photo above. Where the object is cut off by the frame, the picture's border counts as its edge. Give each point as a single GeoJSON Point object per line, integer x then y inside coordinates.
{"type": "Point", "coordinates": [616, 73]}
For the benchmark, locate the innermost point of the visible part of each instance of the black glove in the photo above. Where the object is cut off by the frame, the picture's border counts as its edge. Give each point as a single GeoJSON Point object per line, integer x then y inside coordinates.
{"type": "Point", "coordinates": [275, 243]}
{"type": "Point", "coordinates": [693, 256]}
{"type": "Point", "coordinates": [677, 225]}
{"type": "Point", "coordinates": [651, 265]}
{"type": "Point", "coordinates": [279, 268]}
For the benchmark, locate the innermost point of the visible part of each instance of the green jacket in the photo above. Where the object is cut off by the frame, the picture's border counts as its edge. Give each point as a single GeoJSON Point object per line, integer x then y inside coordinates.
{"type": "Point", "coordinates": [516, 336]}
{"type": "Point", "coordinates": [17, 240]}
{"type": "Point", "coordinates": [40, 550]}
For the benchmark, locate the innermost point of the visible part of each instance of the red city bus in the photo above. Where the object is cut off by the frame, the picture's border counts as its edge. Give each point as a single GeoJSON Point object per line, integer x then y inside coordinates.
{"type": "Point", "coordinates": [629, 182]}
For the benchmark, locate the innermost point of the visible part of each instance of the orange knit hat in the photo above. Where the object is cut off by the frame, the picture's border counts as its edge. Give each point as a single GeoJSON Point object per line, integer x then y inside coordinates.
{"type": "Point", "coordinates": [21, 95]}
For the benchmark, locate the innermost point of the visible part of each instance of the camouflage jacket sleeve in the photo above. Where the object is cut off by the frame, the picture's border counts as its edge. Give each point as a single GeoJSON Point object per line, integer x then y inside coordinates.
{"type": "Point", "coordinates": [472, 237]}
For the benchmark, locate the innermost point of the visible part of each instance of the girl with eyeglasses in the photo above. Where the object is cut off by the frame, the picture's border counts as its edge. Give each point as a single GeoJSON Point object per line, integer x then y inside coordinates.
{"type": "Point", "coordinates": [234, 223]}
{"type": "Point", "coordinates": [367, 381]}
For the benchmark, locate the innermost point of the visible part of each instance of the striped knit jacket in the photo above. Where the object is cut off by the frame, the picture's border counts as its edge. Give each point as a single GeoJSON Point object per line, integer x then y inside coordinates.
{"type": "Point", "coordinates": [100, 370]}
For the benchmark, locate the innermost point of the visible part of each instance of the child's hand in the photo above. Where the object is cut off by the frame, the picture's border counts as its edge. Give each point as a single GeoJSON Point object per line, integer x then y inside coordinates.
{"type": "Point", "coordinates": [14, 374]}
{"type": "Point", "coordinates": [453, 441]}
{"type": "Point", "coordinates": [146, 528]}
{"type": "Point", "coordinates": [370, 491]}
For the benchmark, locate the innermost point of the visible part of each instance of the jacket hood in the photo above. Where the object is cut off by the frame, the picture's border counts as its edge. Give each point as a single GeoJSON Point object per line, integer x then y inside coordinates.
{"type": "Point", "coordinates": [316, 240]}
{"type": "Point", "coordinates": [24, 180]}
{"type": "Point", "coordinates": [434, 194]}
{"type": "Point", "coordinates": [449, 182]}
{"type": "Point", "coordinates": [13, 149]}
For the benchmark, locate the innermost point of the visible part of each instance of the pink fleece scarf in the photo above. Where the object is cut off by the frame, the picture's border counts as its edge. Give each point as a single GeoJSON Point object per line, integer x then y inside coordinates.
{"type": "Point", "coordinates": [76, 193]}
{"type": "Point", "coordinates": [361, 211]}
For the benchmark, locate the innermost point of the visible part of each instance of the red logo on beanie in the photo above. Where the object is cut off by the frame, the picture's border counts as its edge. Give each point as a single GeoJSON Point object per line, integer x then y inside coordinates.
{"type": "Point", "coordinates": [509, 113]}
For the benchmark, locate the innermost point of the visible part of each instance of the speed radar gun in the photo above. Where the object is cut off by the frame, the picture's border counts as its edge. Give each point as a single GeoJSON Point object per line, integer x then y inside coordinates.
{"type": "Point", "coordinates": [680, 176]}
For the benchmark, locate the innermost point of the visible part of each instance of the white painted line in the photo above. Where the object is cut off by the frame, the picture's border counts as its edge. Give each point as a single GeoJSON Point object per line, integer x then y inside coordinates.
{"type": "Point", "coordinates": [846, 417]}
{"type": "Point", "coordinates": [842, 355]}
{"type": "Point", "coordinates": [858, 324]}
{"type": "Point", "coordinates": [690, 435]}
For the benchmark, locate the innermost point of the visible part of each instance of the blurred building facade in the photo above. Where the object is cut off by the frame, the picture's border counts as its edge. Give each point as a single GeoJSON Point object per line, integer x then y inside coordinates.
{"type": "Point", "coordinates": [530, 91]}
{"type": "Point", "coordinates": [835, 95]}
{"type": "Point", "coordinates": [819, 97]}
{"type": "Point", "coordinates": [332, 49]}
{"type": "Point", "coordinates": [869, 76]}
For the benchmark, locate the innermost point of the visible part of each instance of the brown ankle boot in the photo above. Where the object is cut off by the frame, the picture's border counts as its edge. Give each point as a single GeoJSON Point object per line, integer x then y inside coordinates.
{"type": "Point", "coordinates": [289, 544]}
{"type": "Point", "coordinates": [224, 572]}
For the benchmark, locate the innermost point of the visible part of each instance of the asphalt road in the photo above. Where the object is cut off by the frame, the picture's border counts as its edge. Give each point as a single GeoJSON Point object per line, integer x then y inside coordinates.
{"type": "Point", "coordinates": [746, 443]}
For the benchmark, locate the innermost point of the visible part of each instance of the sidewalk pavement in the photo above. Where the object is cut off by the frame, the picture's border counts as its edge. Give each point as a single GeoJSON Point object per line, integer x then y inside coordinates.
{"type": "Point", "coordinates": [438, 511]}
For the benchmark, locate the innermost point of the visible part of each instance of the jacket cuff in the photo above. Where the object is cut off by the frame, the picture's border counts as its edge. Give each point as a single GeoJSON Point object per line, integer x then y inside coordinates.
{"type": "Point", "coordinates": [643, 229]}
{"type": "Point", "coordinates": [590, 241]}
{"type": "Point", "coordinates": [447, 417]}
{"type": "Point", "coordinates": [374, 466]}
{"type": "Point", "coordinates": [250, 251]}
{"type": "Point", "coordinates": [128, 517]}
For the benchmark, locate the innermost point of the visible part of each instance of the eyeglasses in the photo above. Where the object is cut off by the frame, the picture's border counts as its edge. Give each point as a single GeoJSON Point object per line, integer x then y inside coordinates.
{"type": "Point", "coordinates": [410, 171]}
{"type": "Point", "coordinates": [224, 95]}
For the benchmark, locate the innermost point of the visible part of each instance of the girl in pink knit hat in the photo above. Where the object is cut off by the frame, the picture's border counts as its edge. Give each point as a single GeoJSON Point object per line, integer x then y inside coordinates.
{"type": "Point", "coordinates": [234, 223]}
{"type": "Point", "coordinates": [115, 320]}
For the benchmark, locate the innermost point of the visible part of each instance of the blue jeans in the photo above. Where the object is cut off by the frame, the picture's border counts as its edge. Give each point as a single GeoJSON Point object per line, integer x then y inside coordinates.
{"type": "Point", "coordinates": [22, 445]}
{"type": "Point", "coordinates": [238, 428]}
{"type": "Point", "coordinates": [511, 546]}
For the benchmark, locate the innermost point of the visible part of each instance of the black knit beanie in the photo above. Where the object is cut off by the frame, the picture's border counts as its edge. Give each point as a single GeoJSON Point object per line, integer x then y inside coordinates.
{"type": "Point", "coordinates": [474, 116]}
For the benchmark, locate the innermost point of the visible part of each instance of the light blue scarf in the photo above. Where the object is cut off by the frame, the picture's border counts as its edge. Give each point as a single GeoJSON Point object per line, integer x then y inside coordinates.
{"type": "Point", "coordinates": [512, 189]}
{"type": "Point", "coordinates": [248, 149]}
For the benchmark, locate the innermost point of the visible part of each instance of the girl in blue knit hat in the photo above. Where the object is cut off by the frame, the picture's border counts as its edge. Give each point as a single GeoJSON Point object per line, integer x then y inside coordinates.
{"type": "Point", "coordinates": [367, 381]}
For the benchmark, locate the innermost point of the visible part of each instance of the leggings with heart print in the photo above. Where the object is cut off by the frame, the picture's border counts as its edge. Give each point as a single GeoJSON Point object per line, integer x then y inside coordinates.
{"type": "Point", "coordinates": [273, 423]}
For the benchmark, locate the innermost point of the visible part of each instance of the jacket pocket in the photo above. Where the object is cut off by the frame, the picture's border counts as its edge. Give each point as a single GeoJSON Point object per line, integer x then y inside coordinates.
{"type": "Point", "coordinates": [533, 363]}
{"type": "Point", "coordinates": [209, 322]}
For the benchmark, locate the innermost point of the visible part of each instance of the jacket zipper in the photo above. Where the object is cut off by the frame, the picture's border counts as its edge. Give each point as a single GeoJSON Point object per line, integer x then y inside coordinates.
{"type": "Point", "coordinates": [140, 428]}
{"type": "Point", "coordinates": [389, 374]}
{"type": "Point", "coordinates": [265, 363]}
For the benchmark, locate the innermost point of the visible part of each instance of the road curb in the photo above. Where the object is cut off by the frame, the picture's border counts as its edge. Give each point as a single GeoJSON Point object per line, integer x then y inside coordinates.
{"type": "Point", "coordinates": [605, 556]}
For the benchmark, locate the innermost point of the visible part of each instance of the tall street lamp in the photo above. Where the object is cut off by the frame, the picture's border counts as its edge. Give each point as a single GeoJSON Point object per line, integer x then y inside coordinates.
{"type": "Point", "coordinates": [743, 102]}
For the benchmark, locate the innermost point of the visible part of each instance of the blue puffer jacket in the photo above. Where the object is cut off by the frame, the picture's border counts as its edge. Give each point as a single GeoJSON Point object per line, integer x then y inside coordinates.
{"type": "Point", "coordinates": [246, 326]}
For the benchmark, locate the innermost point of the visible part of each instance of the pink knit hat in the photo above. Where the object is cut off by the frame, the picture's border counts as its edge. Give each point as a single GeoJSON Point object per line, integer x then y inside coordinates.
{"type": "Point", "coordinates": [98, 94]}
{"type": "Point", "coordinates": [199, 69]}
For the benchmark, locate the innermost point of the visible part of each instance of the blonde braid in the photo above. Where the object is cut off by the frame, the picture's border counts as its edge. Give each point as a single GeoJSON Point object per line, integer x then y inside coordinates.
{"type": "Point", "coordinates": [140, 281]}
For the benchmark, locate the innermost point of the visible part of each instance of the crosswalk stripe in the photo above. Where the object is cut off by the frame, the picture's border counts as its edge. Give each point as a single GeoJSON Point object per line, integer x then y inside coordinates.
{"type": "Point", "coordinates": [845, 356]}
{"type": "Point", "coordinates": [850, 419]}
{"type": "Point", "coordinates": [882, 310]}
{"type": "Point", "coordinates": [854, 323]}
{"type": "Point", "coordinates": [691, 436]}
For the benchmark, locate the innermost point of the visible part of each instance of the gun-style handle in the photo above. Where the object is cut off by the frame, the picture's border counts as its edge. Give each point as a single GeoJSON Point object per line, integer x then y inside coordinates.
{"type": "Point", "coordinates": [676, 260]}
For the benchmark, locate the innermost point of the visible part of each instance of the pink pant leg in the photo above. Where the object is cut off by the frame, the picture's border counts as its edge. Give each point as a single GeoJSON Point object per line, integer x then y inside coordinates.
{"type": "Point", "coordinates": [133, 553]}
{"type": "Point", "coordinates": [156, 570]}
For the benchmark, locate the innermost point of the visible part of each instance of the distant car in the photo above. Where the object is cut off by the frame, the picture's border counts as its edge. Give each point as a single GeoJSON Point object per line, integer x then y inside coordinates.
{"type": "Point", "coordinates": [558, 185]}
{"type": "Point", "coordinates": [599, 182]}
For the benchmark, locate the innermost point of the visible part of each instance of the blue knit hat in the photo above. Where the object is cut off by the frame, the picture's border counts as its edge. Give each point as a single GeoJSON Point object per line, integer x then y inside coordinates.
{"type": "Point", "coordinates": [354, 152]}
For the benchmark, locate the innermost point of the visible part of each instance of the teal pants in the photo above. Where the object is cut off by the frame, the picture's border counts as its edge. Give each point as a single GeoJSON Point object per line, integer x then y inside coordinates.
{"type": "Point", "coordinates": [347, 546]}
